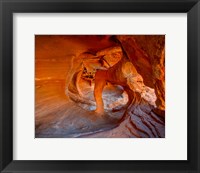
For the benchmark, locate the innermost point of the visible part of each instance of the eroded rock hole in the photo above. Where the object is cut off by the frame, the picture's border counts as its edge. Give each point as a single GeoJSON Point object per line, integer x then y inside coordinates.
{"type": "Point", "coordinates": [109, 67]}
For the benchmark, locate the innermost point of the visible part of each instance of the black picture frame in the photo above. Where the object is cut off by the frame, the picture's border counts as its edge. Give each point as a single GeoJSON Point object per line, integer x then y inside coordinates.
{"type": "Point", "coordinates": [8, 7]}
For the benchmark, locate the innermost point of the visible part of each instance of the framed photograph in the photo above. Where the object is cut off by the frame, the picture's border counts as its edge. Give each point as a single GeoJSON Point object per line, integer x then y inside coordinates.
{"type": "Point", "coordinates": [99, 86]}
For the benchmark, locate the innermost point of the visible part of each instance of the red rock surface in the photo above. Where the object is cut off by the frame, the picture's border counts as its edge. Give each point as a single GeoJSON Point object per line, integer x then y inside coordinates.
{"type": "Point", "coordinates": [66, 68]}
{"type": "Point", "coordinates": [147, 53]}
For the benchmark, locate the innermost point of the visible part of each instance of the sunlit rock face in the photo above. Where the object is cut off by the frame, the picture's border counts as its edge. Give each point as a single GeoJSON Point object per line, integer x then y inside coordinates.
{"type": "Point", "coordinates": [100, 86]}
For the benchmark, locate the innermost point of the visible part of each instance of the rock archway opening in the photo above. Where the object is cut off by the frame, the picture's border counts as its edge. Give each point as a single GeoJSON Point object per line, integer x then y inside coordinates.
{"type": "Point", "coordinates": [120, 78]}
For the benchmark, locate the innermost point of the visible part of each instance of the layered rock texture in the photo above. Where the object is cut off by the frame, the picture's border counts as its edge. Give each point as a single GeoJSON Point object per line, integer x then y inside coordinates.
{"type": "Point", "coordinates": [147, 53]}
{"type": "Point", "coordinates": [100, 86]}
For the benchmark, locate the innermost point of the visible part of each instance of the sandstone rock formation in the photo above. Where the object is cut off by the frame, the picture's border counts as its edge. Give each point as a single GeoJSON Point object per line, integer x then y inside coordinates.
{"type": "Point", "coordinates": [147, 53]}
{"type": "Point", "coordinates": [121, 77]}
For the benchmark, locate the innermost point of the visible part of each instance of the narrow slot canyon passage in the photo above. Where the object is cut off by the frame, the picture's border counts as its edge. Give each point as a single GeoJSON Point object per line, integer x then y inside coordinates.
{"type": "Point", "coordinates": [99, 86]}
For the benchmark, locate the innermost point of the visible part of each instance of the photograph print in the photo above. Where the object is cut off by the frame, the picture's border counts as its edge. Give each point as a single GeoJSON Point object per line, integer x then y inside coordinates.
{"type": "Point", "coordinates": [99, 86]}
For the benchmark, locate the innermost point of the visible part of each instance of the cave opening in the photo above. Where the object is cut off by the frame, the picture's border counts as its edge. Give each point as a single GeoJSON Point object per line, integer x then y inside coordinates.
{"type": "Point", "coordinates": [114, 95]}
